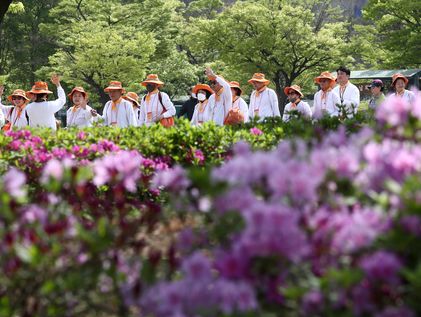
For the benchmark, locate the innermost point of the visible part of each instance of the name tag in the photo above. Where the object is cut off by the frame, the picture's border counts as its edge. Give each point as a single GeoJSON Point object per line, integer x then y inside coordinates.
{"type": "Point", "coordinates": [149, 116]}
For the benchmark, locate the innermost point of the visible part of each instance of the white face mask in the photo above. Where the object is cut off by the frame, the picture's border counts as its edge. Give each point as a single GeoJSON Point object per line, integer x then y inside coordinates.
{"type": "Point", "coordinates": [201, 96]}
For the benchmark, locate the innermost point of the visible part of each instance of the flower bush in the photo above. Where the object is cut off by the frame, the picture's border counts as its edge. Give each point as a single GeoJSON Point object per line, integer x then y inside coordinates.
{"type": "Point", "coordinates": [218, 221]}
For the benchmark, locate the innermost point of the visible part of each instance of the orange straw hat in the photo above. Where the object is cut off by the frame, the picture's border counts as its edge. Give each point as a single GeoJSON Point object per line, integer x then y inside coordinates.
{"type": "Point", "coordinates": [18, 93]}
{"type": "Point", "coordinates": [78, 89]}
{"type": "Point", "coordinates": [115, 85]}
{"type": "Point", "coordinates": [202, 87]}
{"type": "Point", "coordinates": [152, 79]}
{"type": "Point", "coordinates": [326, 75]}
{"type": "Point", "coordinates": [397, 76]}
{"type": "Point", "coordinates": [236, 84]}
{"type": "Point", "coordinates": [259, 77]}
{"type": "Point", "coordinates": [296, 88]}
{"type": "Point", "coordinates": [40, 87]}
{"type": "Point", "coordinates": [132, 96]}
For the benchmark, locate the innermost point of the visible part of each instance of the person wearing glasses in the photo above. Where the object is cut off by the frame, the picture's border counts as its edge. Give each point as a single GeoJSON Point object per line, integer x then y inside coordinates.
{"type": "Point", "coordinates": [220, 102]}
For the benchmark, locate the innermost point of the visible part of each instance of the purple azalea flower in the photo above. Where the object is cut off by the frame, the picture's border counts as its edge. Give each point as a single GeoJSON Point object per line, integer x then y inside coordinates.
{"type": "Point", "coordinates": [14, 183]}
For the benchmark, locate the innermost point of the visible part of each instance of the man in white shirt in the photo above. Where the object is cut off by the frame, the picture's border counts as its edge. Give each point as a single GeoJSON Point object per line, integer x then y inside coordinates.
{"type": "Point", "coordinates": [156, 106]}
{"type": "Point", "coordinates": [118, 111]}
{"type": "Point", "coordinates": [295, 103]}
{"type": "Point", "coordinates": [40, 111]}
{"type": "Point", "coordinates": [326, 101]}
{"type": "Point", "coordinates": [220, 102]}
{"type": "Point", "coordinates": [348, 93]}
{"type": "Point", "coordinates": [263, 100]}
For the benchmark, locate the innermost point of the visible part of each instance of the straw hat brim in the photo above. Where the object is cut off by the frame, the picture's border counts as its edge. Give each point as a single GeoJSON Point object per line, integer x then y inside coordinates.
{"type": "Point", "coordinates": [287, 89]}
{"type": "Point", "coordinates": [108, 89]}
{"type": "Point", "coordinates": [131, 99]}
{"type": "Point", "coordinates": [156, 82]}
{"type": "Point", "coordinates": [400, 77]}
{"type": "Point", "coordinates": [40, 92]}
{"type": "Point", "coordinates": [202, 87]}
{"type": "Point", "coordinates": [264, 81]}
{"type": "Point", "coordinates": [77, 90]}
{"type": "Point", "coordinates": [10, 97]}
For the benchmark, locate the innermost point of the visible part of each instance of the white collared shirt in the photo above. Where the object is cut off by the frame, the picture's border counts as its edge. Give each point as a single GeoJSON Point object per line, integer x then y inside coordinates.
{"type": "Point", "coordinates": [265, 105]}
{"type": "Point", "coordinates": [123, 116]}
{"type": "Point", "coordinates": [41, 114]}
{"type": "Point", "coordinates": [200, 117]}
{"type": "Point", "coordinates": [10, 114]}
{"type": "Point", "coordinates": [302, 107]}
{"type": "Point", "coordinates": [328, 105]}
{"type": "Point", "coordinates": [80, 118]}
{"type": "Point", "coordinates": [350, 97]}
{"type": "Point", "coordinates": [155, 108]}
{"type": "Point", "coordinates": [408, 96]}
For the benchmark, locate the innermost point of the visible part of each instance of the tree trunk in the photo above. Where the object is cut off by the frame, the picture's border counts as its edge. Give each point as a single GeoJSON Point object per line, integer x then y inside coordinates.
{"type": "Point", "coordinates": [280, 83]}
{"type": "Point", "coordinates": [4, 6]}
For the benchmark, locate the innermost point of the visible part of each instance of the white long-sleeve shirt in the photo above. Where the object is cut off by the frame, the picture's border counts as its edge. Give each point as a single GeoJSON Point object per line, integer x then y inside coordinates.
{"type": "Point", "coordinates": [80, 118]}
{"type": "Point", "coordinates": [244, 109]}
{"type": "Point", "coordinates": [302, 107]}
{"type": "Point", "coordinates": [326, 105]}
{"type": "Point", "coordinates": [265, 105]}
{"type": "Point", "coordinates": [123, 116]}
{"type": "Point", "coordinates": [41, 114]}
{"type": "Point", "coordinates": [218, 109]}
{"type": "Point", "coordinates": [201, 116]}
{"type": "Point", "coordinates": [408, 96]}
{"type": "Point", "coordinates": [350, 97]}
{"type": "Point", "coordinates": [152, 109]}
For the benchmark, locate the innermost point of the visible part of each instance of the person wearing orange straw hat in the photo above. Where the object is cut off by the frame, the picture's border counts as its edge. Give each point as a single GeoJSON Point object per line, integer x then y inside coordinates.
{"type": "Point", "coordinates": [134, 99]}
{"type": "Point", "coordinates": [295, 103]}
{"type": "Point", "coordinates": [325, 100]}
{"type": "Point", "coordinates": [80, 114]}
{"type": "Point", "coordinates": [156, 106]}
{"type": "Point", "coordinates": [238, 102]}
{"type": "Point", "coordinates": [263, 100]}
{"type": "Point", "coordinates": [40, 111]}
{"type": "Point", "coordinates": [117, 111]}
{"type": "Point", "coordinates": [220, 102]}
{"type": "Point", "coordinates": [201, 112]}
{"type": "Point", "coordinates": [399, 82]}
{"type": "Point", "coordinates": [16, 114]}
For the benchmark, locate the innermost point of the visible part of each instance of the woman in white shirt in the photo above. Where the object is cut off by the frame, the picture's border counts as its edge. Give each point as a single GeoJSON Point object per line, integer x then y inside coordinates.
{"type": "Point", "coordinates": [40, 111]}
{"type": "Point", "coordinates": [16, 114]}
{"type": "Point", "coordinates": [399, 82]}
{"type": "Point", "coordinates": [134, 99]}
{"type": "Point", "coordinates": [80, 114]}
{"type": "Point", "coordinates": [201, 112]}
{"type": "Point", "coordinates": [295, 103]}
{"type": "Point", "coordinates": [238, 103]}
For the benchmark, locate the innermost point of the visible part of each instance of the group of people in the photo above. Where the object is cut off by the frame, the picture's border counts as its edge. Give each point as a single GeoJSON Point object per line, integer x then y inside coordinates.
{"type": "Point", "coordinates": [219, 101]}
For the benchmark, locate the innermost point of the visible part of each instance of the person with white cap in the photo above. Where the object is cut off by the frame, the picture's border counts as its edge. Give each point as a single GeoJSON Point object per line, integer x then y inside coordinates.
{"type": "Point", "coordinates": [156, 106]}
{"type": "Point", "coordinates": [118, 111]}
{"type": "Point", "coordinates": [15, 115]}
{"type": "Point", "coordinates": [263, 100]}
{"type": "Point", "coordinates": [80, 114]}
{"type": "Point", "coordinates": [295, 103]}
{"type": "Point", "coordinates": [40, 111]}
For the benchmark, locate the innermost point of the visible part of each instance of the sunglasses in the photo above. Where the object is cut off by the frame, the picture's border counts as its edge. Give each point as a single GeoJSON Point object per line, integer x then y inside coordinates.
{"type": "Point", "coordinates": [17, 98]}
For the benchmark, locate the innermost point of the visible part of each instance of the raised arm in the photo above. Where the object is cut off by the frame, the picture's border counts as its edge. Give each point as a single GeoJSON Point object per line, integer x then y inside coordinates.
{"type": "Point", "coordinates": [57, 104]}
